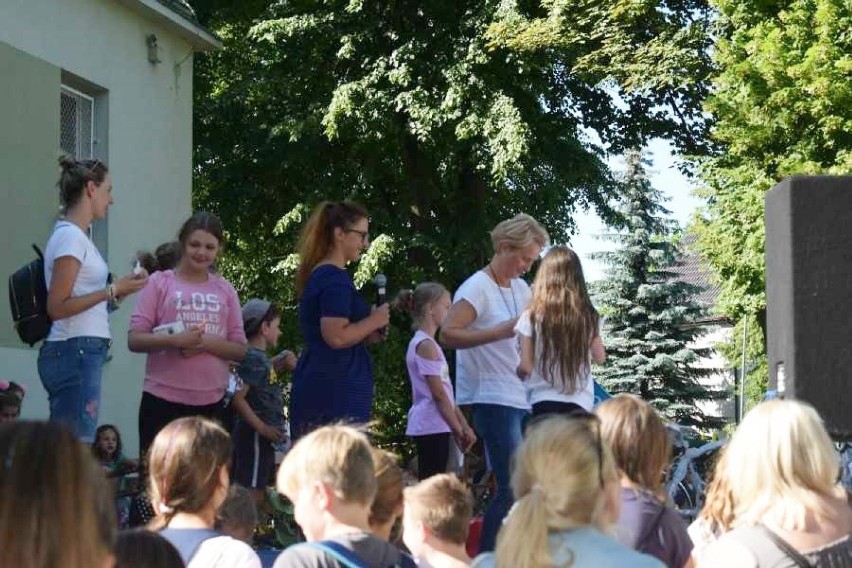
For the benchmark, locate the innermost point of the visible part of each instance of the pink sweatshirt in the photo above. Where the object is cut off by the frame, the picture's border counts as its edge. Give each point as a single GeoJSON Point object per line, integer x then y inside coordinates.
{"type": "Point", "coordinates": [198, 380]}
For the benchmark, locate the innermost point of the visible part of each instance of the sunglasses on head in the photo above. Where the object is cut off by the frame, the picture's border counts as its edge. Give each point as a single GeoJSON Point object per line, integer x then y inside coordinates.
{"type": "Point", "coordinates": [592, 422]}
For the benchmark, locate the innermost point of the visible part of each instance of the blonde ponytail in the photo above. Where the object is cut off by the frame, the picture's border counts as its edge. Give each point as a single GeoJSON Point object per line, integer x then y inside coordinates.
{"type": "Point", "coordinates": [562, 472]}
{"type": "Point", "coordinates": [522, 542]}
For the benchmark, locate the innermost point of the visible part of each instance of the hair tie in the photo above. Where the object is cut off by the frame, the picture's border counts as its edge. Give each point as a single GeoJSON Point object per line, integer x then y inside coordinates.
{"type": "Point", "coordinates": [165, 509]}
{"type": "Point", "coordinates": [4, 385]}
{"type": "Point", "coordinates": [536, 488]}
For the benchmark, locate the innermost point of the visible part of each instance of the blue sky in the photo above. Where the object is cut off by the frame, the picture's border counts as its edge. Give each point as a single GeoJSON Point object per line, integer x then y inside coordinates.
{"type": "Point", "coordinates": [665, 176]}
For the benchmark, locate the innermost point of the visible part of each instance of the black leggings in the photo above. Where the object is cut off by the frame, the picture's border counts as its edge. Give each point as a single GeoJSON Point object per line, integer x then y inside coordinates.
{"type": "Point", "coordinates": [433, 453]}
{"type": "Point", "coordinates": [555, 407]}
{"type": "Point", "coordinates": [155, 413]}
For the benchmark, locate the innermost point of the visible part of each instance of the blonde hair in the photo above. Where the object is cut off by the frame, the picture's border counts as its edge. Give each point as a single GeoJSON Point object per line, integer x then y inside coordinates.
{"type": "Point", "coordinates": [564, 322]}
{"type": "Point", "coordinates": [184, 465]}
{"type": "Point", "coordinates": [317, 237]}
{"type": "Point", "coordinates": [338, 456]}
{"type": "Point", "coordinates": [784, 464]}
{"type": "Point", "coordinates": [415, 301]}
{"type": "Point", "coordinates": [519, 232]}
{"type": "Point", "coordinates": [560, 482]}
{"type": "Point", "coordinates": [443, 504]}
{"type": "Point", "coordinates": [717, 513]}
{"type": "Point", "coordinates": [389, 486]}
{"type": "Point", "coordinates": [56, 508]}
{"type": "Point", "coordinates": [638, 439]}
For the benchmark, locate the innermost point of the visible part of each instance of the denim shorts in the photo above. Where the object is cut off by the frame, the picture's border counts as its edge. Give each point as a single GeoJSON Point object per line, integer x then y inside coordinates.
{"type": "Point", "coordinates": [70, 371]}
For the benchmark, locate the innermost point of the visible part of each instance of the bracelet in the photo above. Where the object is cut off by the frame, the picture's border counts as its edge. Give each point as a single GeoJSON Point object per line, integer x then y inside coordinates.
{"type": "Point", "coordinates": [110, 290]}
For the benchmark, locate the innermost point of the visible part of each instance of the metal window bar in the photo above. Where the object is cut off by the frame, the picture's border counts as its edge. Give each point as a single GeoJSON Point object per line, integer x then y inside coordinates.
{"type": "Point", "coordinates": [76, 137]}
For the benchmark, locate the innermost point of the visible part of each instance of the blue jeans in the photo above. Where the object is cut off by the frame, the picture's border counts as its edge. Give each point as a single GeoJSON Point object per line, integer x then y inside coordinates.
{"type": "Point", "coordinates": [501, 428]}
{"type": "Point", "coordinates": [70, 371]}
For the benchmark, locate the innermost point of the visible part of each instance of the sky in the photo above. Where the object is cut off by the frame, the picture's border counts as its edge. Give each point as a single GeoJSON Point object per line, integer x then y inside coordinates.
{"type": "Point", "coordinates": [664, 176]}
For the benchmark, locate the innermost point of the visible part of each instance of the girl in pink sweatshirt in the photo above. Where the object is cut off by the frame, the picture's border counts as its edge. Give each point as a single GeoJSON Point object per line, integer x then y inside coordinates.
{"type": "Point", "coordinates": [189, 322]}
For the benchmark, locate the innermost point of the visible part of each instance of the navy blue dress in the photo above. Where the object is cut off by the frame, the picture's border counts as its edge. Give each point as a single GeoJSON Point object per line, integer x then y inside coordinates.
{"type": "Point", "coordinates": [330, 385]}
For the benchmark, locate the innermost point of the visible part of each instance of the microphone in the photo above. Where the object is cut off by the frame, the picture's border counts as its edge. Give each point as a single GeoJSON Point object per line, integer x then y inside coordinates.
{"type": "Point", "coordinates": [381, 288]}
{"type": "Point", "coordinates": [381, 282]}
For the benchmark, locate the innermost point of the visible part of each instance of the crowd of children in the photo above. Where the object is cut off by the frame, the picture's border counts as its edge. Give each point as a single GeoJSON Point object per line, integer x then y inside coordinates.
{"type": "Point", "coordinates": [586, 482]}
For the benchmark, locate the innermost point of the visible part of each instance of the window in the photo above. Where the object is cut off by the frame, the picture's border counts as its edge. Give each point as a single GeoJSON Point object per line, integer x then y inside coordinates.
{"type": "Point", "coordinates": [76, 137]}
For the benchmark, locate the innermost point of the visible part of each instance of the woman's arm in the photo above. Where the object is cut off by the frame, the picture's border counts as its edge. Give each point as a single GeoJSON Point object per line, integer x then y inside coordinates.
{"type": "Point", "coordinates": [341, 333]}
{"type": "Point", "coordinates": [223, 348]}
{"type": "Point", "coordinates": [60, 303]}
{"type": "Point", "coordinates": [527, 364]}
{"type": "Point", "coordinates": [145, 342]}
{"type": "Point", "coordinates": [598, 350]}
{"type": "Point", "coordinates": [456, 335]}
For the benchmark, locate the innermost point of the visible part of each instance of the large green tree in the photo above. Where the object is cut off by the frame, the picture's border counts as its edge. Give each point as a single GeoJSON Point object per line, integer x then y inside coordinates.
{"type": "Point", "coordinates": [782, 104]}
{"type": "Point", "coordinates": [441, 117]}
{"type": "Point", "coordinates": [650, 315]}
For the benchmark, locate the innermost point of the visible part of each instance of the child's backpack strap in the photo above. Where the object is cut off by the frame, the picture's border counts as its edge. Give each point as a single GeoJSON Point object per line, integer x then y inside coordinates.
{"type": "Point", "coordinates": [339, 552]}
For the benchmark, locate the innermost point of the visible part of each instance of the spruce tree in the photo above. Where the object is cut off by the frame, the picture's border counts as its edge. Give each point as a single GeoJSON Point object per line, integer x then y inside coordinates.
{"type": "Point", "coordinates": [650, 316]}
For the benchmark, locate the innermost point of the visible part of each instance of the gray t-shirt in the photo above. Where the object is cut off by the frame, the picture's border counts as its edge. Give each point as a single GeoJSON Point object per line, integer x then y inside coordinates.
{"type": "Point", "coordinates": [372, 551]}
{"type": "Point", "coordinates": [585, 547]}
{"type": "Point", "coordinates": [646, 525]}
{"type": "Point", "coordinates": [265, 398]}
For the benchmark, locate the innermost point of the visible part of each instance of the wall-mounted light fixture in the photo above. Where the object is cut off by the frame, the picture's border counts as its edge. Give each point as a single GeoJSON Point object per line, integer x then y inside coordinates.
{"type": "Point", "coordinates": [153, 49]}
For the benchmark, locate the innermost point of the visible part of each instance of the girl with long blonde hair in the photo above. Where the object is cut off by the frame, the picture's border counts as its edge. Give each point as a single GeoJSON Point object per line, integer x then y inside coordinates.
{"type": "Point", "coordinates": [559, 337]}
{"type": "Point", "coordinates": [788, 508]}
{"type": "Point", "coordinates": [566, 490]}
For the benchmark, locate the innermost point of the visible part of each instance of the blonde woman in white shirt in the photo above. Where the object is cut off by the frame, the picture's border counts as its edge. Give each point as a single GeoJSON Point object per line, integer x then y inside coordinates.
{"type": "Point", "coordinates": [481, 325]}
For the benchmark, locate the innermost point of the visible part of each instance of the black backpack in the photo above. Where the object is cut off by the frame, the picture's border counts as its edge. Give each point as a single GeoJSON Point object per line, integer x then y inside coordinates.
{"type": "Point", "coordinates": [28, 301]}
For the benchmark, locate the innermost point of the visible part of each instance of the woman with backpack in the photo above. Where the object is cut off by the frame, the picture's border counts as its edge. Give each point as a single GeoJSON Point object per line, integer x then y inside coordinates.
{"type": "Point", "coordinates": [71, 358]}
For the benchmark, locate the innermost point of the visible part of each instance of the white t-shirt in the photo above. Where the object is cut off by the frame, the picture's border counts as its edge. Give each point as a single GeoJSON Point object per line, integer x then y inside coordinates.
{"type": "Point", "coordinates": [224, 552]}
{"type": "Point", "coordinates": [540, 389]}
{"type": "Point", "coordinates": [69, 240]}
{"type": "Point", "coordinates": [487, 374]}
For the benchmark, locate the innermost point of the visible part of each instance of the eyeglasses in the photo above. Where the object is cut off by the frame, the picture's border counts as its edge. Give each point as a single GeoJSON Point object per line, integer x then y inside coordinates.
{"type": "Point", "coordinates": [592, 422]}
{"type": "Point", "coordinates": [364, 234]}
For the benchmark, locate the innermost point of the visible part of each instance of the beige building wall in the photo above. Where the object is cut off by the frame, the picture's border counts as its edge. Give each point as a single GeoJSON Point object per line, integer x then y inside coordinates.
{"type": "Point", "coordinates": [143, 115]}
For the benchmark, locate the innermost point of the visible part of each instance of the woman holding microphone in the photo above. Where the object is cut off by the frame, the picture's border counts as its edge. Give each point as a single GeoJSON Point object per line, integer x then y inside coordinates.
{"type": "Point", "coordinates": [333, 380]}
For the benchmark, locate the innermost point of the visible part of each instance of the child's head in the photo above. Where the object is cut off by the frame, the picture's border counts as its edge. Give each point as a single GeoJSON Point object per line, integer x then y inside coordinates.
{"type": "Point", "coordinates": [387, 504]}
{"type": "Point", "coordinates": [330, 467]}
{"type": "Point", "coordinates": [11, 398]}
{"type": "Point", "coordinates": [201, 238]}
{"type": "Point", "coordinates": [188, 467]}
{"type": "Point", "coordinates": [165, 257]}
{"type": "Point", "coordinates": [107, 444]}
{"type": "Point", "coordinates": [564, 478]}
{"type": "Point", "coordinates": [638, 439]}
{"type": "Point", "coordinates": [56, 508]}
{"type": "Point", "coordinates": [262, 319]}
{"type": "Point", "coordinates": [237, 516]}
{"type": "Point", "coordinates": [428, 303]}
{"type": "Point", "coordinates": [142, 548]}
{"type": "Point", "coordinates": [438, 508]}
{"type": "Point", "coordinates": [563, 317]}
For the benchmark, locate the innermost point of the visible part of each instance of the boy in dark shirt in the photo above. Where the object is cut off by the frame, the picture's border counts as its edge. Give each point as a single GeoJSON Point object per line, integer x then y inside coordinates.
{"type": "Point", "coordinates": [259, 404]}
{"type": "Point", "coordinates": [330, 477]}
